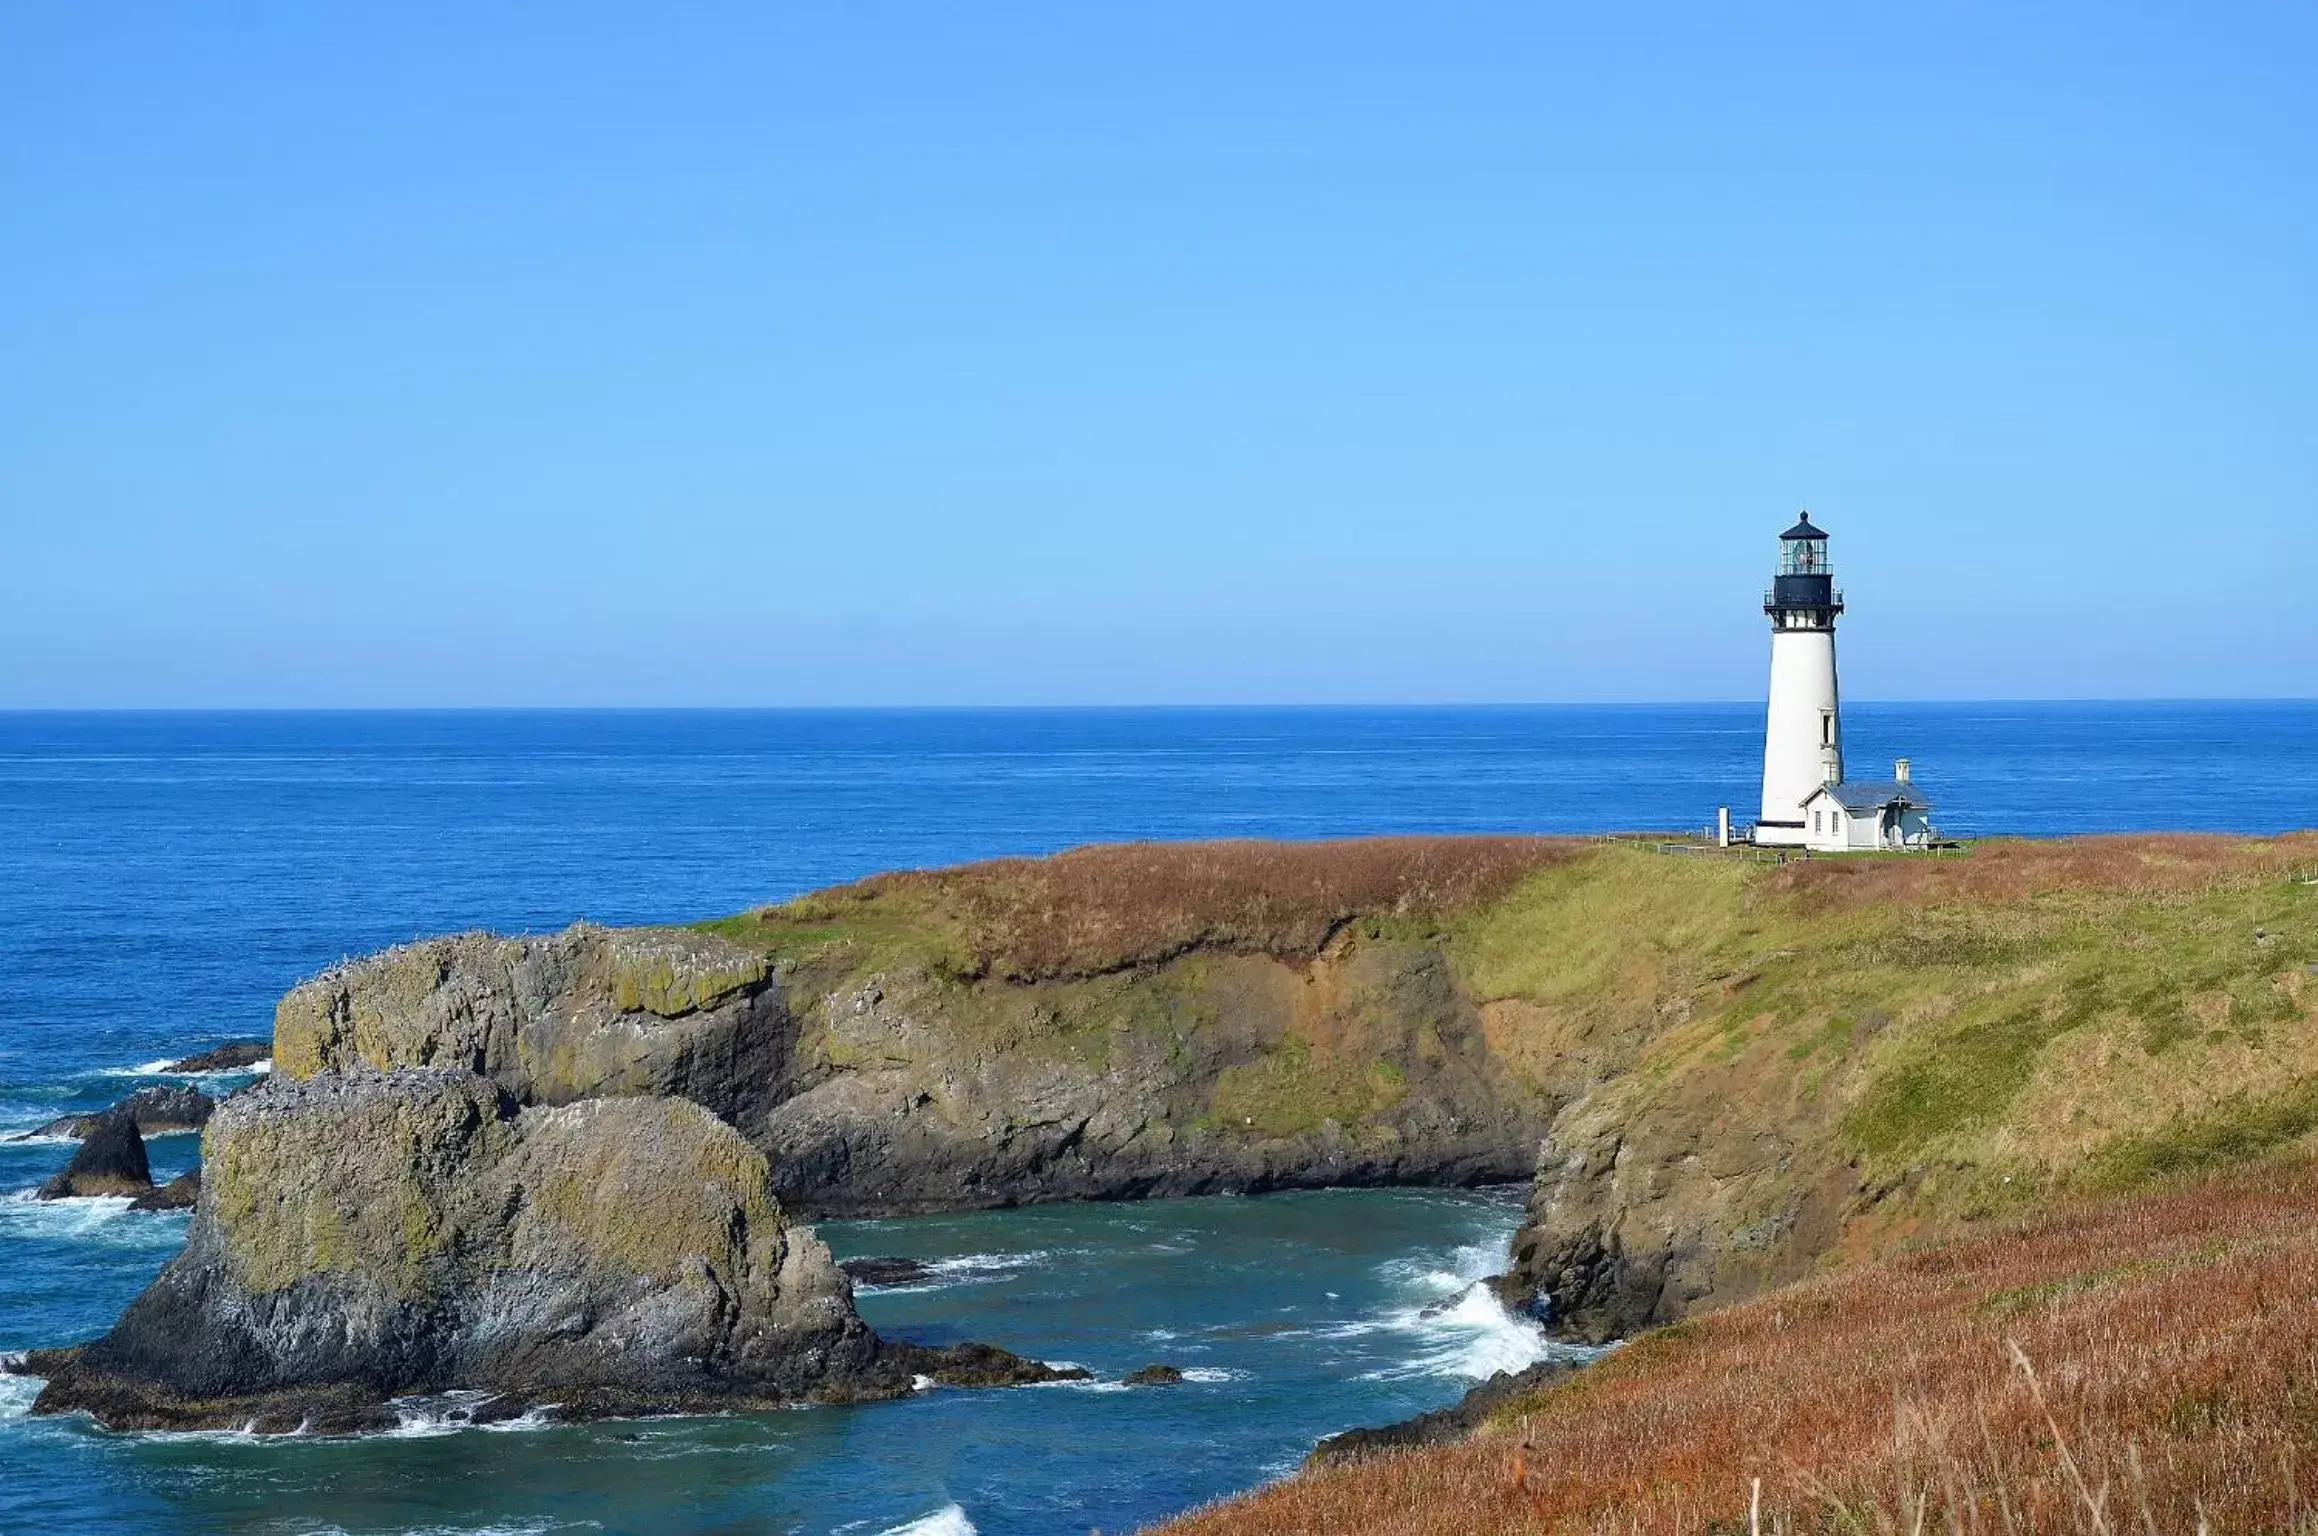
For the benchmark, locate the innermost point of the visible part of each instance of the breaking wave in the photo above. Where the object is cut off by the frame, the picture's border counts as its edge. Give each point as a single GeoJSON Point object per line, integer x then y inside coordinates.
{"type": "Point", "coordinates": [423, 1418]}
{"type": "Point", "coordinates": [949, 1520]}
{"type": "Point", "coordinates": [1463, 1330]}
{"type": "Point", "coordinates": [102, 1219]}
{"type": "Point", "coordinates": [966, 1269]}
{"type": "Point", "coordinates": [16, 1392]}
{"type": "Point", "coordinates": [160, 1068]}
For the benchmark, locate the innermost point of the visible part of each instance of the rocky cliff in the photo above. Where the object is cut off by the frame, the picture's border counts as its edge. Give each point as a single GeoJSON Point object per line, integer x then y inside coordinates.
{"type": "Point", "coordinates": [1114, 1022]}
{"type": "Point", "coordinates": [361, 1236]}
{"type": "Point", "coordinates": [590, 1012]}
{"type": "Point", "coordinates": [1720, 1073]}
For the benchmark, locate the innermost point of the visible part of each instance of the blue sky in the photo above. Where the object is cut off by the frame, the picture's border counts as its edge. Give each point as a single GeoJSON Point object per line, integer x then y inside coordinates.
{"type": "Point", "coordinates": [873, 353]}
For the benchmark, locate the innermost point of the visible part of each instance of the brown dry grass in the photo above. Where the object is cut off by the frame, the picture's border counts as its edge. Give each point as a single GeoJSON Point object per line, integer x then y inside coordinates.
{"type": "Point", "coordinates": [2139, 1365]}
{"type": "Point", "coordinates": [1105, 908]}
{"type": "Point", "coordinates": [2019, 869]}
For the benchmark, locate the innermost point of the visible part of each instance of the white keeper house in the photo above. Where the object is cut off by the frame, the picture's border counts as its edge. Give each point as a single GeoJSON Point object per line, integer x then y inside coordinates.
{"type": "Point", "coordinates": [1807, 801]}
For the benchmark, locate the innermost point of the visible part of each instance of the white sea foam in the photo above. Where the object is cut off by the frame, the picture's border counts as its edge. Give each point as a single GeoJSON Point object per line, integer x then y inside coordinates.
{"type": "Point", "coordinates": [147, 1069]}
{"type": "Point", "coordinates": [965, 1269]}
{"type": "Point", "coordinates": [1472, 1337]}
{"type": "Point", "coordinates": [1466, 1332]}
{"type": "Point", "coordinates": [949, 1520]}
{"type": "Point", "coordinates": [1209, 1375]}
{"type": "Point", "coordinates": [21, 1215]}
{"type": "Point", "coordinates": [16, 1392]}
{"type": "Point", "coordinates": [423, 1418]}
{"type": "Point", "coordinates": [521, 1528]}
{"type": "Point", "coordinates": [35, 1138]}
{"type": "Point", "coordinates": [262, 1065]}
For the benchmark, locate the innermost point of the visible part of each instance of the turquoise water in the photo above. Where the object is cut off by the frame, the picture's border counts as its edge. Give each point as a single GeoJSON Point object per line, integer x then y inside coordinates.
{"type": "Point", "coordinates": [163, 878]}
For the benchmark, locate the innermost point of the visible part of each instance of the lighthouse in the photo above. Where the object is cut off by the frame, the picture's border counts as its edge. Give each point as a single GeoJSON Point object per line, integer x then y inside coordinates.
{"type": "Point", "coordinates": [1803, 739]}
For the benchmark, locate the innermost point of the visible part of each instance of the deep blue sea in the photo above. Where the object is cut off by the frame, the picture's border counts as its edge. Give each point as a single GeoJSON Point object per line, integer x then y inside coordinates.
{"type": "Point", "coordinates": [164, 877]}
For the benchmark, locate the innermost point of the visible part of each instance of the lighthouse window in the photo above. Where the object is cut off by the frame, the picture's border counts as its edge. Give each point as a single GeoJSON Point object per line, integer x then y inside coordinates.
{"type": "Point", "coordinates": [1826, 729]}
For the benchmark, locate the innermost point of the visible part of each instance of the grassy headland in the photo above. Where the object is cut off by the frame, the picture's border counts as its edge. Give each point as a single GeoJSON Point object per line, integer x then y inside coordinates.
{"type": "Point", "coordinates": [1748, 1067]}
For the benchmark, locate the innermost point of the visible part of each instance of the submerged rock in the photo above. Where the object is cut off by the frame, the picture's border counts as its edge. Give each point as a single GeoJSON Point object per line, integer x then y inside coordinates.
{"type": "Point", "coordinates": [234, 1056]}
{"type": "Point", "coordinates": [157, 1111]}
{"type": "Point", "coordinates": [179, 1194]}
{"type": "Point", "coordinates": [885, 1271]}
{"type": "Point", "coordinates": [111, 1161]}
{"type": "Point", "coordinates": [365, 1236]}
{"type": "Point", "coordinates": [587, 1013]}
{"type": "Point", "coordinates": [1154, 1376]}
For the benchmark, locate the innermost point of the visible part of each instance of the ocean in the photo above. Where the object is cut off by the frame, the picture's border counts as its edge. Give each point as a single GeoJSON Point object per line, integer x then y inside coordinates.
{"type": "Point", "coordinates": [164, 877]}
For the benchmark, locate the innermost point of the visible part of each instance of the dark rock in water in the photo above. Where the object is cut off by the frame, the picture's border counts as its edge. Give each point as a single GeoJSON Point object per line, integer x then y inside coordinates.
{"type": "Point", "coordinates": [111, 1161]}
{"type": "Point", "coordinates": [1154, 1376]}
{"type": "Point", "coordinates": [885, 1271]}
{"type": "Point", "coordinates": [366, 1236]}
{"type": "Point", "coordinates": [1443, 1424]}
{"type": "Point", "coordinates": [979, 1365]}
{"type": "Point", "coordinates": [234, 1057]}
{"type": "Point", "coordinates": [157, 1111]}
{"type": "Point", "coordinates": [179, 1194]}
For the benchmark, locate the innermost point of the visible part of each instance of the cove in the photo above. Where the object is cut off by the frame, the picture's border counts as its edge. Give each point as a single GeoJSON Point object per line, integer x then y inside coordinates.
{"type": "Point", "coordinates": [1292, 1316]}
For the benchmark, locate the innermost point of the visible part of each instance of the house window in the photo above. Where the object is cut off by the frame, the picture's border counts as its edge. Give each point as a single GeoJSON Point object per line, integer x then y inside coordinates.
{"type": "Point", "coordinates": [1814, 823]}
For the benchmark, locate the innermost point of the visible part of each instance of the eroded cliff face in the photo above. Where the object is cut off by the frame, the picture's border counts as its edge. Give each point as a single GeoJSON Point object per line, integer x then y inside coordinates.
{"type": "Point", "coordinates": [1109, 1023]}
{"type": "Point", "coordinates": [1366, 1064]}
{"type": "Point", "coordinates": [911, 1089]}
{"type": "Point", "coordinates": [362, 1235]}
{"type": "Point", "coordinates": [587, 1013]}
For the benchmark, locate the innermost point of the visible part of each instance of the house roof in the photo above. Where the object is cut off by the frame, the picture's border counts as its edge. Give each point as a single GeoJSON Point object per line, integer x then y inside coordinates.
{"type": "Point", "coordinates": [1873, 795]}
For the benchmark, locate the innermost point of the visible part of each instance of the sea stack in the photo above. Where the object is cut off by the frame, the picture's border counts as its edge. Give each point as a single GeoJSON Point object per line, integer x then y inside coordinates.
{"type": "Point", "coordinates": [362, 1236]}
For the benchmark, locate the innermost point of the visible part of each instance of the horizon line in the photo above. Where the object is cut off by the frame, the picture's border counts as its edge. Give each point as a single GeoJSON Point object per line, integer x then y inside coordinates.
{"type": "Point", "coordinates": [1104, 708]}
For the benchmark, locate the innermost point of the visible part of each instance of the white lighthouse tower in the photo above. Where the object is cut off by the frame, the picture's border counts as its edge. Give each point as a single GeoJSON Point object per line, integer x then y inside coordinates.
{"type": "Point", "coordinates": [1803, 741]}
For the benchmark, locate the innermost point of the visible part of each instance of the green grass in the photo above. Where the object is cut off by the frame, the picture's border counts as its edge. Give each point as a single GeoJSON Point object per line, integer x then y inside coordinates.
{"type": "Point", "coordinates": [1292, 1090]}
{"type": "Point", "coordinates": [853, 938]}
{"type": "Point", "coordinates": [2236, 1131]}
{"type": "Point", "coordinates": [1964, 1078]}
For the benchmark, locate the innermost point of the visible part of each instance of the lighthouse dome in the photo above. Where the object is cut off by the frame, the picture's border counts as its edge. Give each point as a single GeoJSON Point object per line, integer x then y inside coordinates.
{"type": "Point", "coordinates": [1804, 530]}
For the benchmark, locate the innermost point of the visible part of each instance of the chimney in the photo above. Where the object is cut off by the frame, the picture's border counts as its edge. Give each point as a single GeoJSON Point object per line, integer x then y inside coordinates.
{"type": "Point", "coordinates": [1899, 770]}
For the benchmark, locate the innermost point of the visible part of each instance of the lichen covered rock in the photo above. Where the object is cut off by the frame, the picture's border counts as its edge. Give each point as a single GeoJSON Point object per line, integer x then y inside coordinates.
{"type": "Point", "coordinates": [363, 1235]}
{"type": "Point", "coordinates": [590, 1012]}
